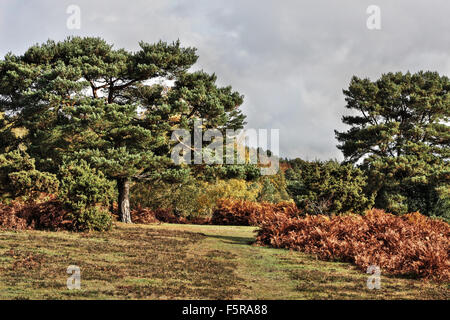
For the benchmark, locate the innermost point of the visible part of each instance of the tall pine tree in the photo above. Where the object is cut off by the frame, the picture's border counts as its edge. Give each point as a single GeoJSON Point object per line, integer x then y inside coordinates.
{"type": "Point", "coordinates": [400, 134]}
{"type": "Point", "coordinates": [81, 98]}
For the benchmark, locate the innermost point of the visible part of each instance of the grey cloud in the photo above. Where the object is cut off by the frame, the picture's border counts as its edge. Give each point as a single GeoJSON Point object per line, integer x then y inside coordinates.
{"type": "Point", "coordinates": [291, 59]}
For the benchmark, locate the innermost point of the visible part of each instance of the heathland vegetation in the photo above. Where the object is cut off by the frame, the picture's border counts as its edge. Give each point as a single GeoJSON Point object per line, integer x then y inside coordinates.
{"type": "Point", "coordinates": [86, 140]}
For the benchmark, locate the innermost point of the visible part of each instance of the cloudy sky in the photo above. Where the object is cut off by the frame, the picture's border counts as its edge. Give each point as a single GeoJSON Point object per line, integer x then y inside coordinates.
{"type": "Point", "coordinates": [291, 59]}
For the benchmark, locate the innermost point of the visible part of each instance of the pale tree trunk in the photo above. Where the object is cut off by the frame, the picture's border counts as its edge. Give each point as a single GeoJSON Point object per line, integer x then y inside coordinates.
{"type": "Point", "coordinates": [124, 200]}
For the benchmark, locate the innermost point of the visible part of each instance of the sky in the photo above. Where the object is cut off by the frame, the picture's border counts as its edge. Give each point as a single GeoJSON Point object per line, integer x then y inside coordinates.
{"type": "Point", "coordinates": [290, 59]}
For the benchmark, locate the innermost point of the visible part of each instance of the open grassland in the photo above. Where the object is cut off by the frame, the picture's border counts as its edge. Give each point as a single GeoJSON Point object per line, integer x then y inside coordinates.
{"type": "Point", "coordinates": [174, 261]}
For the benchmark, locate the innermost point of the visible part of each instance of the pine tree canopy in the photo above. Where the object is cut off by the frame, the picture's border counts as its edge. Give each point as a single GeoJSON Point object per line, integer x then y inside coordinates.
{"type": "Point", "coordinates": [400, 133]}
{"type": "Point", "coordinates": [83, 99]}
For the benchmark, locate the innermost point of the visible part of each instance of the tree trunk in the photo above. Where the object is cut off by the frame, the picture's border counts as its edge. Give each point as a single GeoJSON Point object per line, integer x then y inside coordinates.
{"type": "Point", "coordinates": [124, 200]}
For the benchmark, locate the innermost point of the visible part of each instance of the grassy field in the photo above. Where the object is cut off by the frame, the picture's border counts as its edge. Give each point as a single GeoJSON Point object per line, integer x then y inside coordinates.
{"type": "Point", "coordinates": [182, 262]}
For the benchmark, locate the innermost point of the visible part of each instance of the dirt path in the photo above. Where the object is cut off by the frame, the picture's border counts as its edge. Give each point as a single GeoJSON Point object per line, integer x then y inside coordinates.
{"type": "Point", "coordinates": [269, 273]}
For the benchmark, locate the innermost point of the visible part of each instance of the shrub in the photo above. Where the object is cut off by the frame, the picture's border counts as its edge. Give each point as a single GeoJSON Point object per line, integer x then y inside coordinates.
{"type": "Point", "coordinates": [410, 182]}
{"type": "Point", "coordinates": [19, 177]}
{"type": "Point", "coordinates": [273, 188]}
{"type": "Point", "coordinates": [411, 244]}
{"type": "Point", "coordinates": [143, 216]}
{"type": "Point", "coordinates": [47, 215]}
{"type": "Point", "coordinates": [442, 207]}
{"type": "Point", "coordinates": [232, 189]}
{"type": "Point", "coordinates": [327, 187]}
{"type": "Point", "coordinates": [88, 193]}
{"type": "Point", "coordinates": [147, 216]}
{"type": "Point", "coordinates": [248, 213]}
{"type": "Point", "coordinates": [92, 218]}
{"type": "Point", "coordinates": [32, 183]}
{"type": "Point", "coordinates": [9, 219]}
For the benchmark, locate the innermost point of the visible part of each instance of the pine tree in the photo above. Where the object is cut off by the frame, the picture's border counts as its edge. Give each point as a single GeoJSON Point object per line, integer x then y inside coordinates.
{"type": "Point", "coordinates": [82, 99]}
{"type": "Point", "coordinates": [400, 135]}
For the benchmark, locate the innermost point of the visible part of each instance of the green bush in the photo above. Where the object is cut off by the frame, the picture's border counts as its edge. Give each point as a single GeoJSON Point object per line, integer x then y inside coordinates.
{"type": "Point", "coordinates": [327, 187]}
{"type": "Point", "coordinates": [93, 218]}
{"type": "Point", "coordinates": [87, 192]}
{"type": "Point", "coordinates": [19, 177]}
{"type": "Point", "coordinates": [33, 182]}
{"type": "Point", "coordinates": [273, 188]}
{"type": "Point", "coordinates": [409, 183]}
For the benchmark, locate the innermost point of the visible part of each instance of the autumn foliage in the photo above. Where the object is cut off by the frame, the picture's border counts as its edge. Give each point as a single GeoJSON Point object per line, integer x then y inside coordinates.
{"type": "Point", "coordinates": [46, 215]}
{"type": "Point", "coordinates": [248, 213]}
{"type": "Point", "coordinates": [227, 212]}
{"type": "Point", "coordinates": [411, 244]}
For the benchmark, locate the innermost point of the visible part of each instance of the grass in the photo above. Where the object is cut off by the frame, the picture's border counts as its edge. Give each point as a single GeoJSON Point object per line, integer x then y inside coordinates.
{"type": "Point", "coordinates": [182, 262]}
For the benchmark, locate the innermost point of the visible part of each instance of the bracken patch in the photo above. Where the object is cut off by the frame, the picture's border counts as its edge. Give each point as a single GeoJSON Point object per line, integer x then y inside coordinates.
{"type": "Point", "coordinates": [48, 215]}
{"type": "Point", "coordinates": [411, 244]}
{"type": "Point", "coordinates": [248, 213]}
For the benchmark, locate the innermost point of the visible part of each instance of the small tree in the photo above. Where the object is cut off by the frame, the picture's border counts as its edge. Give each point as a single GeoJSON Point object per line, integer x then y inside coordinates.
{"type": "Point", "coordinates": [274, 188]}
{"type": "Point", "coordinates": [327, 187]}
{"type": "Point", "coordinates": [88, 194]}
